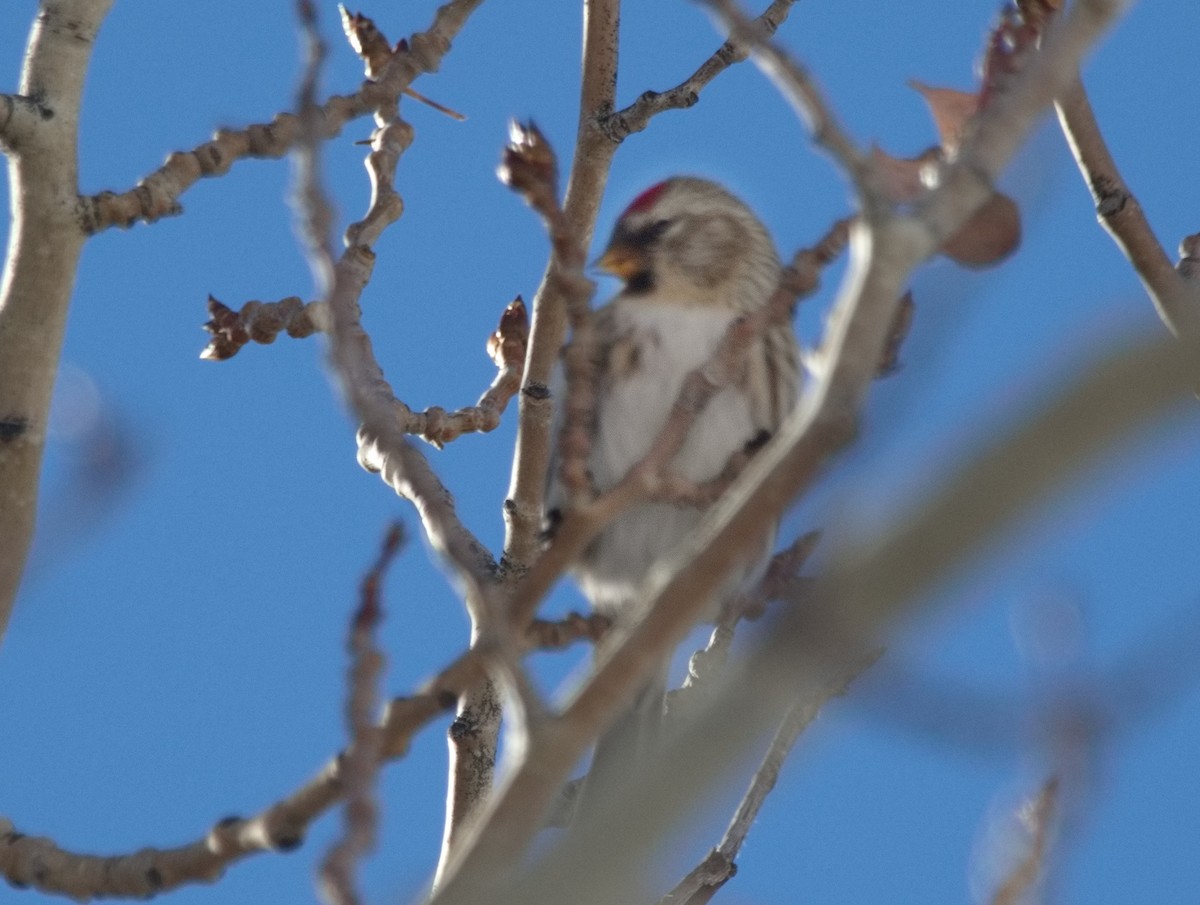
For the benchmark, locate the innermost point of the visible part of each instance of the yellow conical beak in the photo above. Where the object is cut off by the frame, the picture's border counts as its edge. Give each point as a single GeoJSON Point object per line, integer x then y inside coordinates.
{"type": "Point", "coordinates": [623, 260]}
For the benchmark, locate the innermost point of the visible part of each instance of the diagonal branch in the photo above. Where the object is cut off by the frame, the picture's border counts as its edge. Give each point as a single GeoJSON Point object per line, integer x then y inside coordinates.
{"type": "Point", "coordinates": [637, 115]}
{"type": "Point", "coordinates": [872, 586]}
{"type": "Point", "coordinates": [702, 883]}
{"type": "Point", "coordinates": [1176, 300]}
{"type": "Point", "coordinates": [885, 247]}
{"type": "Point", "coordinates": [801, 91]}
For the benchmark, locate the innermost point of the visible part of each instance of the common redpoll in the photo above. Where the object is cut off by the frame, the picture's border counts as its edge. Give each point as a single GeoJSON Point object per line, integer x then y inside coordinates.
{"type": "Point", "coordinates": [693, 258]}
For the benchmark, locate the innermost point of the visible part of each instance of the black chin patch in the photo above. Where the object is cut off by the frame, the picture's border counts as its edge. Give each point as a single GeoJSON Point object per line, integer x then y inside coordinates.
{"type": "Point", "coordinates": [640, 283]}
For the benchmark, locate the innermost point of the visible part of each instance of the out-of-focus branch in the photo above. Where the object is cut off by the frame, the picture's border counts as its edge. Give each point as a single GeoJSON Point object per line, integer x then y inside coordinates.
{"type": "Point", "coordinates": [544, 634]}
{"type": "Point", "coordinates": [993, 137]}
{"type": "Point", "coordinates": [799, 88]}
{"type": "Point", "coordinates": [637, 115]}
{"type": "Point", "coordinates": [1121, 394]}
{"type": "Point", "coordinates": [360, 766]}
{"type": "Point", "coordinates": [41, 139]}
{"type": "Point", "coordinates": [885, 246]}
{"type": "Point", "coordinates": [1038, 817]}
{"type": "Point", "coordinates": [1176, 300]}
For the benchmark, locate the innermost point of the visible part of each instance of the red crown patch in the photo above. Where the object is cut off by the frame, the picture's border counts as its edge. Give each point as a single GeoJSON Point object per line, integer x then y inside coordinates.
{"type": "Point", "coordinates": [646, 199]}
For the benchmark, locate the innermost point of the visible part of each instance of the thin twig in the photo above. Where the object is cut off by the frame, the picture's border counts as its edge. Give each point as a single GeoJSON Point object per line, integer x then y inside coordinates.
{"type": "Point", "coordinates": [40, 863]}
{"type": "Point", "coordinates": [360, 767]}
{"type": "Point", "coordinates": [157, 195]}
{"type": "Point", "coordinates": [721, 863]}
{"type": "Point", "coordinates": [530, 167]}
{"type": "Point", "coordinates": [637, 115]}
{"type": "Point", "coordinates": [259, 322]}
{"type": "Point", "coordinates": [507, 349]}
{"type": "Point", "coordinates": [806, 98]}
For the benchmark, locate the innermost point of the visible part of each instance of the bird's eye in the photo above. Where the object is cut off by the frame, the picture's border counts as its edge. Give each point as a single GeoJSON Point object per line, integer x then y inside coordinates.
{"type": "Point", "coordinates": [652, 232]}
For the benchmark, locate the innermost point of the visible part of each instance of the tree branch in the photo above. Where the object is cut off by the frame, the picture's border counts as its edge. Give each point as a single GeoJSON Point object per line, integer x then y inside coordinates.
{"type": "Point", "coordinates": [43, 253]}
{"type": "Point", "coordinates": [702, 883]}
{"type": "Point", "coordinates": [360, 766]}
{"type": "Point", "coordinates": [806, 98]}
{"type": "Point", "coordinates": [885, 247]}
{"type": "Point", "coordinates": [637, 115]}
{"type": "Point", "coordinates": [158, 194]}
{"type": "Point", "coordinates": [40, 863]}
{"type": "Point", "coordinates": [594, 150]}
{"type": "Point", "coordinates": [1176, 300]}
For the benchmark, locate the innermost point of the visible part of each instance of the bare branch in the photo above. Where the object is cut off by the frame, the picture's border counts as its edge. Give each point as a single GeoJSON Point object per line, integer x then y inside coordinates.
{"type": "Point", "coordinates": [720, 866]}
{"type": "Point", "coordinates": [259, 322]}
{"type": "Point", "coordinates": [594, 149]}
{"type": "Point", "coordinates": [507, 349]}
{"type": "Point", "coordinates": [39, 862]}
{"type": "Point", "coordinates": [546, 635]}
{"type": "Point", "coordinates": [1118, 210]}
{"type": "Point", "coordinates": [383, 448]}
{"type": "Point", "coordinates": [530, 167]}
{"type": "Point", "coordinates": [35, 288]}
{"type": "Point", "coordinates": [992, 138]}
{"type": "Point", "coordinates": [19, 117]}
{"type": "Point", "coordinates": [637, 115]}
{"type": "Point", "coordinates": [1120, 394]}
{"type": "Point", "coordinates": [360, 766]}
{"type": "Point", "coordinates": [158, 194]}
{"type": "Point", "coordinates": [799, 88]}
{"type": "Point", "coordinates": [884, 249]}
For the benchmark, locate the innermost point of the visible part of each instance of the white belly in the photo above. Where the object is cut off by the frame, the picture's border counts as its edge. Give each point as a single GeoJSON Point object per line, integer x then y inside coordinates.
{"type": "Point", "coordinates": [632, 410]}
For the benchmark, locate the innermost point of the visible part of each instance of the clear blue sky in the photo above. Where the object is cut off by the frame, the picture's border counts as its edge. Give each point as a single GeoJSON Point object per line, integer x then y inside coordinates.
{"type": "Point", "coordinates": [176, 653]}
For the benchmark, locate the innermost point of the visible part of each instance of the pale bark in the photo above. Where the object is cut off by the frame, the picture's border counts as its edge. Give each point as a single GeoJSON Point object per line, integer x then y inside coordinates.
{"type": "Point", "coordinates": [43, 254]}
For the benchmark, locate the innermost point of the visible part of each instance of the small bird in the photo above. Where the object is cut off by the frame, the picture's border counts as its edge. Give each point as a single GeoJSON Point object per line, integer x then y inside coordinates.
{"type": "Point", "coordinates": [693, 258]}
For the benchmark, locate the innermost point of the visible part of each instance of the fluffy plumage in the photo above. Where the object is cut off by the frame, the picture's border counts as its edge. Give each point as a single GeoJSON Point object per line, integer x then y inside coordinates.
{"type": "Point", "coordinates": [693, 258]}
